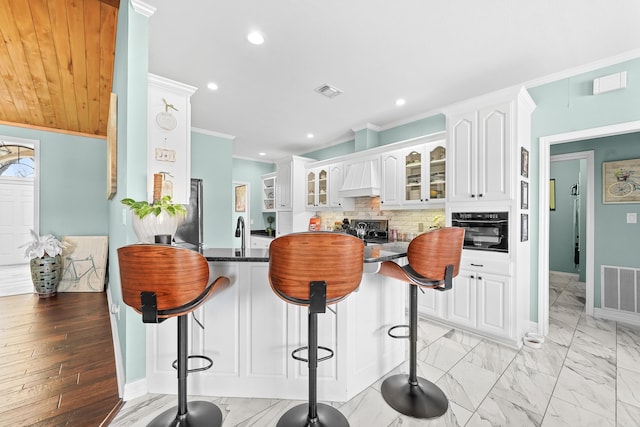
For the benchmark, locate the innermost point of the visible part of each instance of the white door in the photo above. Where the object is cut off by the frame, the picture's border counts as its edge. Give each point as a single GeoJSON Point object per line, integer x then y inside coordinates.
{"type": "Point", "coordinates": [16, 218]}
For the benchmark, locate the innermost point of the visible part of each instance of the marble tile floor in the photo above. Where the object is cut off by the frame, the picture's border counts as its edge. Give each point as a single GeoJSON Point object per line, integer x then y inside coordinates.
{"type": "Point", "coordinates": [587, 373]}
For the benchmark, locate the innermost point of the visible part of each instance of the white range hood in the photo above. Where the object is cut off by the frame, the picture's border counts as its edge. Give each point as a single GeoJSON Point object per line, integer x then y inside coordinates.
{"type": "Point", "coordinates": [362, 178]}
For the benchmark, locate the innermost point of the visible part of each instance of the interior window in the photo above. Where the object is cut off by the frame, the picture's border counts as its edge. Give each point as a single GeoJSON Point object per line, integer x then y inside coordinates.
{"type": "Point", "coordinates": [16, 160]}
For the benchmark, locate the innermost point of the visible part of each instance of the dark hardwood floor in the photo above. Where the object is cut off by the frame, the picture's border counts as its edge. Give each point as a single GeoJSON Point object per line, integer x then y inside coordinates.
{"type": "Point", "coordinates": [57, 366]}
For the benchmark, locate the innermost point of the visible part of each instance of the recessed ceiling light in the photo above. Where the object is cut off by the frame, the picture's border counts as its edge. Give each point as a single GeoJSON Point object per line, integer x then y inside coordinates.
{"type": "Point", "coordinates": [255, 37]}
{"type": "Point", "coordinates": [400, 102]}
{"type": "Point", "coordinates": [309, 135]}
{"type": "Point", "coordinates": [212, 86]}
{"type": "Point", "coordinates": [262, 154]}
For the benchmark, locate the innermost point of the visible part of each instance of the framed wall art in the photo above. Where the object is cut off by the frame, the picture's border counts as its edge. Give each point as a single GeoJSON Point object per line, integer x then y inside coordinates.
{"type": "Point", "coordinates": [524, 195]}
{"type": "Point", "coordinates": [241, 198]}
{"type": "Point", "coordinates": [524, 227]}
{"type": "Point", "coordinates": [524, 162]}
{"type": "Point", "coordinates": [552, 194]}
{"type": "Point", "coordinates": [621, 181]}
{"type": "Point", "coordinates": [84, 263]}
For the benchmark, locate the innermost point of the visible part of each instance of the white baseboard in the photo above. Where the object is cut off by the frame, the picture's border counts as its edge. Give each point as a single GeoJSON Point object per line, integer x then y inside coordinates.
{"type": "Point", "coordinates": [135, 389]}
{"type": "Point", "coordinates": [117, 351]}
{"type": "Point", "coordinates": [617, 315]}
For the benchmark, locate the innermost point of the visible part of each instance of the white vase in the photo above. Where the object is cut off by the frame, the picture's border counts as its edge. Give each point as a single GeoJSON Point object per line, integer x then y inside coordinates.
{"type": "Point", "coordinates": [150, 226]}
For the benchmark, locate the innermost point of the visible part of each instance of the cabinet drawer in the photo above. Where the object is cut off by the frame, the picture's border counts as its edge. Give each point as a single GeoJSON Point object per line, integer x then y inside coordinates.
{"type": "Point", "coordinates": [486, 266]}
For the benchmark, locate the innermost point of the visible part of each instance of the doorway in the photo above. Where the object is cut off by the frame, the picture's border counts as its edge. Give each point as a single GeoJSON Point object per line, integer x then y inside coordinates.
{"type": "Point", "coordinates": [18, 211]}
{"type": "Point", "coordinates": [543, 213]}
{"type": "Point", "coordinates": [241, 214]}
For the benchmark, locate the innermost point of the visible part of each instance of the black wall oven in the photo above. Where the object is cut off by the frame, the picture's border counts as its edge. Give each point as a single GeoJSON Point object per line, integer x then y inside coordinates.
{"type": "Point", "coordinates": [484, 231]}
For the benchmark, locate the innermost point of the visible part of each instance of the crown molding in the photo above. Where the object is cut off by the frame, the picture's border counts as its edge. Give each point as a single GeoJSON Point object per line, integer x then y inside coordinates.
{"type": "Point", "coordinates": [212, 133]}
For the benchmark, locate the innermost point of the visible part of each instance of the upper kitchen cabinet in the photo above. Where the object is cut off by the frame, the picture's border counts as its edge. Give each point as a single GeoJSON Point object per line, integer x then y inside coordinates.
{"type": "Point", "coordinates": [290, 186]}
{"type": "Point", "coordinates": [283, 185]}
{"type": "Point", "coordinates": [483, 139]}
{"type": "Point", "coordinates": [414, 177]}
{"type": "Point", "coordinates": [169, 137]}
{"type": "Point", "coordinates": [318, 187]}
{"type": "Point", "coordinates": [323, 188]}
{"type": "Point", "coordinates": [269, 192]}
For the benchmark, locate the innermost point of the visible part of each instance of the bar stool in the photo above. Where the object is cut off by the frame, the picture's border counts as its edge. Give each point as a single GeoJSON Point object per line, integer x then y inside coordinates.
{"type": "Point", "coordinates": [162, 281]}
{"type": "Point", "coordinates": [434, 260]}
{"type": "Point", "coordinates": [314, 269]}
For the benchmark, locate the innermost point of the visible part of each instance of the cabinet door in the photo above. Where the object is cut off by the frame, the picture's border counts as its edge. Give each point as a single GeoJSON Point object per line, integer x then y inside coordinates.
{"type": "Point", "coordinates": [312, 189]}
{"type": "Point", "coordinates": [493, 303]}
{"type": "Point", "coordinates": [336, 178]}
{"type": "Point", "coordinates": [283, 186]}
{"type": "Point", "coordinates": [432, 302]}
{"type": "Point", "coordinates": [414, 172]}
{"type": "Point", "coordinates": [493, 153]}
{"type": "Point", "coordinates": [437, 172]}
{"type": "Point", "coordinates": [462, 154]}
{"type": "Point", "coordinates": [390, 186]}
{"type": "Point", "coordinates": [462, 299]}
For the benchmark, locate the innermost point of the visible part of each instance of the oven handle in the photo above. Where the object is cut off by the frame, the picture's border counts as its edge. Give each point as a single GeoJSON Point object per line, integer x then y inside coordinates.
{"type": "Point", "coordinates": [482, 221]}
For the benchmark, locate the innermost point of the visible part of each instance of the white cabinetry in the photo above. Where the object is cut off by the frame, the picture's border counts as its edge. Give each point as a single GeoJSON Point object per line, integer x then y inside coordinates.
{"type": "Point", "coordinates": [250, 333]}
{"type": "Point", "coordinates": [169, 137]}
{"type": "Point", "coordinates": [462, 300]}
{"type": "Point", "coordinates": [269, 192]}
{"type": "Point", "coordinates": [290, 187]}
{"type": "Point", "coordinates": [317, 194]}
{"type": "Point", "coordinates": [483, 139]}
{"type": "Point", "coordinates": [336, 179]}
{"type": "Point", "coordinates": [260, 242]}
{"type": "Point", "coordinates": [413, 177]}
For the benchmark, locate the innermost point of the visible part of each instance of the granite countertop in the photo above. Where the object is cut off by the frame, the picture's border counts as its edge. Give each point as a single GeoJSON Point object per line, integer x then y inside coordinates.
{"type": "Point", "coordinates": [372, 253]}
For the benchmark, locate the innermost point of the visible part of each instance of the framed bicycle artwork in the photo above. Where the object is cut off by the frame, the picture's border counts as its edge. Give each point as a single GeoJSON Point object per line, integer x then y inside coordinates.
{"type": "Point", "coordinates": [84, 263]}
{"type": "Point", "coordinates": [621, 181]}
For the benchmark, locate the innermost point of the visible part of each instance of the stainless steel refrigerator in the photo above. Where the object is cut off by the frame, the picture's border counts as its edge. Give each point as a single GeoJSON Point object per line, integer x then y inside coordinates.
{"type": "Point", "coordinates": [190, 232]}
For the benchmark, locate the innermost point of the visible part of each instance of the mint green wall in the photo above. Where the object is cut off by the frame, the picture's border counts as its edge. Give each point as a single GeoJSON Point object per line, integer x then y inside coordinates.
{"type": "Point", "coordinates": [561, 220]}
{"type": "Point", "coordinates": [337, 150]}
{"type": "Point", "coordinates": [72, 182]}
{"type": "Point", "coordinates": [251, 172]}
{"type": "Point", "coordinates": [614, 239]}
{"type": "Point", "coordinates": [426, 126]}
{"type": "Point", "coordinates": [210, 161]}
{"type": "Point", "coordinates": [130, 85]}
{"type": "Point", "coordinates": [568, 105]}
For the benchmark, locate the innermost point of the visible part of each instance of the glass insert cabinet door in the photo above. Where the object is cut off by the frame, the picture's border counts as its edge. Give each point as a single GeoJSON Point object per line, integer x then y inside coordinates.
{"type": "Point", "coordinates": [317, 188]}
{"type": "Point", "coordinates": [413, 176]}
{"type": "Point", "coordinates": [311, 189]}
{"type": "Point", "coordinates": [437, 169]}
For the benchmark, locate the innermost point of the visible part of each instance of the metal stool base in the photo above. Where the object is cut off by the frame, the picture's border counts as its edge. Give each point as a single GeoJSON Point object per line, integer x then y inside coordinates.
{"type": "Point", "coordinates": [199, 414]}
{"type": "Point", "coordinates": [298, 416]}
{"type": "Point", "coordinates": [424, 400]}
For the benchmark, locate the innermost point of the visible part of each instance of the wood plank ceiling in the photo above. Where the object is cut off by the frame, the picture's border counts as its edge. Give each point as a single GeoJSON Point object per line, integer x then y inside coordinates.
{"type": "Point", "coordinates": [56, 64]}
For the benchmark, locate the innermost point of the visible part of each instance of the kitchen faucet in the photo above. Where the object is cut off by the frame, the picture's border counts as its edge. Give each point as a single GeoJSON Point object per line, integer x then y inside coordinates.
{"type": "Point", "coordinates": [240, 231]}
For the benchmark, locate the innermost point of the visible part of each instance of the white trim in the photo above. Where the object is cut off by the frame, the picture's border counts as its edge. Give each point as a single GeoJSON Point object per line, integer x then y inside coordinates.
{"type": "Point", "coordinates": [543, 213]}
{"type": "Point", "coordinates": [212, 133]}
{"type": "Point", "coordinates": [143, 8]}
{"type": "Point", "coordinates": [369, 126]}
{"type": "Point", "coordinates": [585, 68]}
{"type": "Point", "coordinates": [117, 350]}
{"type": "Point", "coordinates": [617, 315]}
{"type": "Point", "coordinates": [254, 160]}
{"type": "Point", "coordinates": [135, 389]}
{"type": "Point", "coordinates": [165, 83]}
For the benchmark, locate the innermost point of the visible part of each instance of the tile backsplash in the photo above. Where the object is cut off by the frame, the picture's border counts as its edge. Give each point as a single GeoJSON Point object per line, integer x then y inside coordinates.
{"type": "Point", "coordinates": [405, 221]}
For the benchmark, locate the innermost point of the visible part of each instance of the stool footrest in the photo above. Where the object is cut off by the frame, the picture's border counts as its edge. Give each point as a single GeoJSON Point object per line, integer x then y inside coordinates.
{"type": "Point", "coordinates": [295, 352]}
{"type": "Point", "coordinates": [196, 356]}
{"type": "Point", "coordinates": [393, 328]}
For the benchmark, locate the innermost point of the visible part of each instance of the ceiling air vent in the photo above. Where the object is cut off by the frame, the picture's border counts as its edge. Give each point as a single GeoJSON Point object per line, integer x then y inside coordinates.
{"type": "Point", "coordinates": [328, 91]}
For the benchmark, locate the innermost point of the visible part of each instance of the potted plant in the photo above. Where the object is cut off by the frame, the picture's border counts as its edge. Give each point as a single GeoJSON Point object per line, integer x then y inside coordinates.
{"type": "Point", "coordinates": [162, 217]}
{"type": "Point", "coordinates": [270, 220]}
{"type": "Point", "coordinates": [46, 263]}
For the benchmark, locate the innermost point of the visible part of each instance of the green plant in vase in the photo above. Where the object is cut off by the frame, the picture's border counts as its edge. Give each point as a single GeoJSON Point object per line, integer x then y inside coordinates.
{"type": "Point", "coordinates": [45, 263]}
{"type": "Point", "coordinates": [270, 220]}
{"type": "Point", "coordinates": [152, 219]}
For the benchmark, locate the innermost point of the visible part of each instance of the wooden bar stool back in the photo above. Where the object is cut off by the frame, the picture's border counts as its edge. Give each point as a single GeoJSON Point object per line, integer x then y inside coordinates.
{"type": "Point", "coordinates": [314, 269]}
{"type": "Point", "coordinates": [160, 282]}
{"type": "Point", "coordinates": [434, 260]}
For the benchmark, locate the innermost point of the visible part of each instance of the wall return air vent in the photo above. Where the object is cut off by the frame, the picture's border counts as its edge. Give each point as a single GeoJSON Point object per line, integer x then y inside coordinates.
{"type": "Point", "coordinates": [328, 91]}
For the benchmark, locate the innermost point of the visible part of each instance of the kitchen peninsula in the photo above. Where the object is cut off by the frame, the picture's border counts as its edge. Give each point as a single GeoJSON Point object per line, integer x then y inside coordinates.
{"type": "Point", "coordinates": [250, 333]}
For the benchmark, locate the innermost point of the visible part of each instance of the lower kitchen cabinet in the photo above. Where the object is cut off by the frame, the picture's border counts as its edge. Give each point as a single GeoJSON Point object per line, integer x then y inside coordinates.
{"type": "Point", "coordinates": [481, 301]}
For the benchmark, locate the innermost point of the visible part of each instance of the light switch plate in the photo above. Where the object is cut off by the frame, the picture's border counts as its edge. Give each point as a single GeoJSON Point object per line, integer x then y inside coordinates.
{"type": "Point", "coordinates": [632, 218]}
